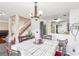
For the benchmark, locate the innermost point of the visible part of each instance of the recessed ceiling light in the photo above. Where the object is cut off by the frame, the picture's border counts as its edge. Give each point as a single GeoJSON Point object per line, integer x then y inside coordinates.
{"type": "Point", "coordinates": [64, 15]}
{"type": "Point", "coordinates": [57, 20]}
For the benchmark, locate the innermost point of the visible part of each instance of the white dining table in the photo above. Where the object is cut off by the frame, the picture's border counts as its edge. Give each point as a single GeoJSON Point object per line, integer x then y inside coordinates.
{"type": "Point", "coordinates": [29, 48]}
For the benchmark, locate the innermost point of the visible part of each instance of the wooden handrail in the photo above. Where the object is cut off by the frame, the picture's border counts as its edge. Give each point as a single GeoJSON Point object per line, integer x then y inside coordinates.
{"type": "Point", "coordinates": [25, 27]}
{"type": "Point", "coordinates": [22, 17]}
{"type": "Point", "coordinates": [25, 19]}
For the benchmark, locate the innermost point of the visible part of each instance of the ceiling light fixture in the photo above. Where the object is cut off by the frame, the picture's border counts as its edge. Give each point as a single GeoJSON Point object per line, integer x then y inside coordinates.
{"type": "Point", "coordinates": [36, 13]}
{"type": "Point", "coordinates": [56, 20]}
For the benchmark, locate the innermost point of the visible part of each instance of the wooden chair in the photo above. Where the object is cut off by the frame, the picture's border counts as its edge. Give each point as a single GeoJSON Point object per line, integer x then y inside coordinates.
{"type": "Point", "coordinates": [58, 53]}
{"type": "Point", "coordinates": [10, 51]}
{"type": "Point", "coordinates": [2, 47]}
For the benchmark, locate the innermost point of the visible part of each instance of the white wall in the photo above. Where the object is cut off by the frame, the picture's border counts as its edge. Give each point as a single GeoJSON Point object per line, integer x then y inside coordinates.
{"type": "Point", "coordinates": [3, 26]}
{"type": "Point", "coordinates": [48, 27]}
{"type": "Point", "coordinates": [62, 28]}
{"type": "Point", "coordinates": [35, 27]}
{"type": "Point", "coordinates": [72, 44]}
{"type": "Point", "coordinates": [74, 18]}
{"type": "Point", "coordinates": [3, 23]}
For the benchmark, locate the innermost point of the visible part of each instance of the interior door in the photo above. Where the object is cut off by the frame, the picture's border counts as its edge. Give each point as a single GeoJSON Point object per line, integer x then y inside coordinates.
{"type": "Point", "coordinates": [42, 29]}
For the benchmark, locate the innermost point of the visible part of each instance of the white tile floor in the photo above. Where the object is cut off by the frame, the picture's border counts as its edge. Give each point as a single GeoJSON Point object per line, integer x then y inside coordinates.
{"type": "Point", "coordinates": [3, 51]}
{"type": "Point", "coordinates": [28, 48]}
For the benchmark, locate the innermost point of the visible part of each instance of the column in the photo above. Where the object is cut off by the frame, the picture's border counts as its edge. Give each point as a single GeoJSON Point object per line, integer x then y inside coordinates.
{"type": "Point", "coordinates": [35, 27]}
{"type": "Point", "coordinates": [16, 29]}
{"type": "Point", "coordinates": [48, 27]}
{"type": "Point", "coordinates": [9, 30]}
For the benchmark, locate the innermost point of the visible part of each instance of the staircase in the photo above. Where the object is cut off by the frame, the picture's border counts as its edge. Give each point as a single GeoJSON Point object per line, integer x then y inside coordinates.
{"type": "Point", "coordinates": [23, 31]}
{"type": "Point", "coordinates": [24, 27]}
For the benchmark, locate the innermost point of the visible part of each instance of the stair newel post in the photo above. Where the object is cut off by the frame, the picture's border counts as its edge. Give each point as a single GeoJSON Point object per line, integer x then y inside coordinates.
{"type": "Point", "coordinates": [16, 30]}
{"type": "Point", "coordinates": [9, 29]}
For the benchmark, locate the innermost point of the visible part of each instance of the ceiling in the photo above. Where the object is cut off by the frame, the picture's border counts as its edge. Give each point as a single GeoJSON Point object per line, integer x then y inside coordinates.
{"type": "Point", "coordinates": [50, 9]}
